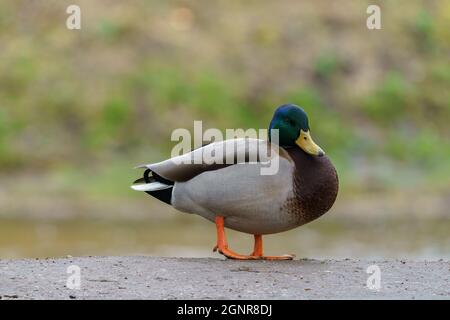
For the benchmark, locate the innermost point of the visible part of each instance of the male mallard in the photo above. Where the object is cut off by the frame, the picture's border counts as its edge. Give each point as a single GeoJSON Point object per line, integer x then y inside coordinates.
{"type": "Point", "coordinates": [238, 196]}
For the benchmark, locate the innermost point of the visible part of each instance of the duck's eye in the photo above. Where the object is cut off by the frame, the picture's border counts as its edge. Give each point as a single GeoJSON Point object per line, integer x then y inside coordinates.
{"type": "Point", "coordinates": [290, 121]}
{"type": "Point", "coordinates": [305, 138]}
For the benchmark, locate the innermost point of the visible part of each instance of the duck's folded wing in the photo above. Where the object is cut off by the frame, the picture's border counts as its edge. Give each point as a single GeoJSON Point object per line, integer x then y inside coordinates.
{"type": "Point", "coordinates": [215, 156]}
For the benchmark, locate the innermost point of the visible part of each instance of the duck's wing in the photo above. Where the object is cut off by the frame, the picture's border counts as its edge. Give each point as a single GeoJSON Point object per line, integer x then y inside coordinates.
{"type": "Point", "coordinates": [215, 156]}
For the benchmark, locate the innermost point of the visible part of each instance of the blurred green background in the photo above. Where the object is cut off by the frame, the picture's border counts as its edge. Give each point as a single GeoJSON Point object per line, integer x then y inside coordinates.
{"type": "Point", "coordinates": [80, 108]}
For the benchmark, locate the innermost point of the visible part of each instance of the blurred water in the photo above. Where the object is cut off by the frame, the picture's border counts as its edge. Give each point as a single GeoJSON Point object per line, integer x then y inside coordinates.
{"type": "Point", "coordinates": [51, 221]}
{"type": "Point", "coordinates": [185, 235]}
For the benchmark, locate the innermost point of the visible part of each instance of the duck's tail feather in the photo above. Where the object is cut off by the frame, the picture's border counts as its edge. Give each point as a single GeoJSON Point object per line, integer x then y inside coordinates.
{"type": "Point", "coordinates": [140, 185]}
{"type": "Point", "coordinates": [155, 186]}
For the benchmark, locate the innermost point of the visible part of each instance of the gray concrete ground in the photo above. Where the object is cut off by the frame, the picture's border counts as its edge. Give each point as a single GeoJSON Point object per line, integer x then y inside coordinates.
{"type": "Point", "coordinates": [191, 278]}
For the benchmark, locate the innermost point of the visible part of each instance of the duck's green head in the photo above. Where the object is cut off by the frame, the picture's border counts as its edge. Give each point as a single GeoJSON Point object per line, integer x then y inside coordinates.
{"type": "Point", "coordinates": [293, 126]}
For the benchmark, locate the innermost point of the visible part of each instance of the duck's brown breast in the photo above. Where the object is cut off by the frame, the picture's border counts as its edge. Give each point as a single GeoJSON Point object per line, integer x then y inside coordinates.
{"type": "Point", "coordinates": [315, 186]}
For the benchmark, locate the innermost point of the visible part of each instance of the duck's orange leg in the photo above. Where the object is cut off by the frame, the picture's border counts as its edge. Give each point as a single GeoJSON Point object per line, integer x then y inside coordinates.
{"type": "Point", "coordinates": [222, 246]}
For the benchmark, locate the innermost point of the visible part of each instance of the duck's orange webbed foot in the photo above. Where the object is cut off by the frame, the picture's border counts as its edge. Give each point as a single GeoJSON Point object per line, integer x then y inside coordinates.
{"type": "Point", "coordinates": [257, 254]}
{"type": "Point", "coordinates": [258, 251]}
{"type": "Point", "coordinates": [233, 255]}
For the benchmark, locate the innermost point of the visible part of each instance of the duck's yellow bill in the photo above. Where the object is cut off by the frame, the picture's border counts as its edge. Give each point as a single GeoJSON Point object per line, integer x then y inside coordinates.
{"type": "Point", "coordinates": [305, 142]}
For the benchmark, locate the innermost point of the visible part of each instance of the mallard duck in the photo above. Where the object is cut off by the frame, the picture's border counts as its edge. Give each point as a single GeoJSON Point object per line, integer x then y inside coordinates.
{"type": "Point", "coordinates": [238, 196]}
